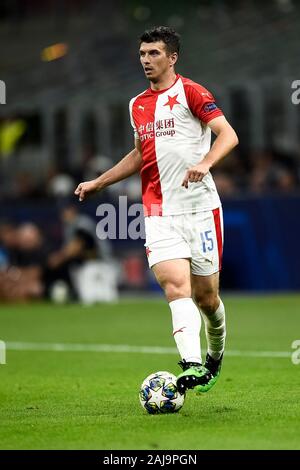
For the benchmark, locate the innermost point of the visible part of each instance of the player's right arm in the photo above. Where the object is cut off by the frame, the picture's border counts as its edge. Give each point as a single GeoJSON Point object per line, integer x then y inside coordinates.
{"type": "Point", "coordinates": [126, 167]}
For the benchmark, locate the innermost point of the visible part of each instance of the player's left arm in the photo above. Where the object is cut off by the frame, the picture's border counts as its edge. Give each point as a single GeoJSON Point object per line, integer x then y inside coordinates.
{"type": "Point", "coordinates": [226, 140]}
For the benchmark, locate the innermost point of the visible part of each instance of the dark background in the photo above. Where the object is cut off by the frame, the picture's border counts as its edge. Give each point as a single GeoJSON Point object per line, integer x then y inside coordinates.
{"type": "Point", "coordinates": [70, 69]}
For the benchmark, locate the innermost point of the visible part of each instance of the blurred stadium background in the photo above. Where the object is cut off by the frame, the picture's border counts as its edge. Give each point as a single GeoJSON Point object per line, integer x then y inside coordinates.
{"type": "Point", "coordinates": [70, 68]}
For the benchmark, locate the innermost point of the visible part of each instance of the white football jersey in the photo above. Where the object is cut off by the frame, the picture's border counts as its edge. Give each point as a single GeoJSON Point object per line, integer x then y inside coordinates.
{"type": "Point", "coordinates": [172, 127]}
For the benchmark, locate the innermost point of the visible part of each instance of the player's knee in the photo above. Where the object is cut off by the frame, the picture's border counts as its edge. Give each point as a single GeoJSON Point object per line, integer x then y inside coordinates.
{"type": "Point", "coordinates": [174, 291]}
{"type": "Point", "coordinates": [208, 301]}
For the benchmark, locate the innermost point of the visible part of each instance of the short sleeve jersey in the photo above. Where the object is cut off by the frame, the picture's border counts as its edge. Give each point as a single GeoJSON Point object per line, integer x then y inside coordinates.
{"type": "Point", "coordinates": [172, 128]}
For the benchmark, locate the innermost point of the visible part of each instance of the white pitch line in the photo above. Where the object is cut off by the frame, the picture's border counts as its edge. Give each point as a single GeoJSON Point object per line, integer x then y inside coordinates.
{"type": "Point", "coordinates": [121, 348]}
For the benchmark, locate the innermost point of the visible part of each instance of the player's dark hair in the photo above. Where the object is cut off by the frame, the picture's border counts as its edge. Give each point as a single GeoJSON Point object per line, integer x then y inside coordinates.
{"type": "Point", "coordinates": [164, 34]}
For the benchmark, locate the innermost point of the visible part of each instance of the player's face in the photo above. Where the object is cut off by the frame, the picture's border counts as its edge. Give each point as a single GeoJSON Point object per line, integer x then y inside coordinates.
{"type": "Point", "coordinates": [154, 59]}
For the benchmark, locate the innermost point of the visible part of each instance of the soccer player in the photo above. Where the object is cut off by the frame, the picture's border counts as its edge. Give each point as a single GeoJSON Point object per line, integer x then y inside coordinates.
{"type": "Point", "coordinates": [172, 122]}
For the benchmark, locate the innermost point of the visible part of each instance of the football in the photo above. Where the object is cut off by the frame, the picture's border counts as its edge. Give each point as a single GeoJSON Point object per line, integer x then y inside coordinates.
{"type": "Point", "coordinates": [159, 394]}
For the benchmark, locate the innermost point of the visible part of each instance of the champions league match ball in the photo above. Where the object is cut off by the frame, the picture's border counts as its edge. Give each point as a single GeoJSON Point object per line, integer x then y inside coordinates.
{"type": "Point", "coordinates": [159, 394]}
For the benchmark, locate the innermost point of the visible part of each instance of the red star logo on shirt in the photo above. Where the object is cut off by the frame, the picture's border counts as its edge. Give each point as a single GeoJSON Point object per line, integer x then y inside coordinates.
{"type": "Point", "coordinates": [148, 251]}
{"type": "Point", "coordinates": [172, 101]}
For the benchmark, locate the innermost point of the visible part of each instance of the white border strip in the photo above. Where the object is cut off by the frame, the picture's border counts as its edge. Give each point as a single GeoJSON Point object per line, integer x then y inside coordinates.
{"type": "Point", "coordinates": [124, 348]}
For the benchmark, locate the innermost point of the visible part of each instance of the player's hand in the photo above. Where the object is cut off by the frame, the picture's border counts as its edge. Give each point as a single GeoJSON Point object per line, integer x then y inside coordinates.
{"type": "Point", "coordinates": [86, 189]}
{"type": "Point", "coordinates": [195, 174]}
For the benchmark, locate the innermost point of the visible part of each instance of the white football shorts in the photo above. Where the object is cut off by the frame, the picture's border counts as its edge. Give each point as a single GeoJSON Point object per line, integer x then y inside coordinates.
{"type": "Point", "coordinates": [197, 236]}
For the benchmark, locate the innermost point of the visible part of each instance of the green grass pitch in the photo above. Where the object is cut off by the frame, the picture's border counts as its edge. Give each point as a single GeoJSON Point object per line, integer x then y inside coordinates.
{"type": "Point", "coordinates": [89, 399]}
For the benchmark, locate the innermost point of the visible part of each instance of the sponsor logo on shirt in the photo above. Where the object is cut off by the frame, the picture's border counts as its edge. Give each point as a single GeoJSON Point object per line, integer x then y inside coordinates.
{"type": "Point", "coordinates": [160, 128]}
{"type": "Point", "coordinates": [210, 107]}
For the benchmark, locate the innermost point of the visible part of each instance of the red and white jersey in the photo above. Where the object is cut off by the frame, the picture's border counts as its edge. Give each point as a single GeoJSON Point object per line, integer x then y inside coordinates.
{"type": "Point", "coordinates": [172, 127]}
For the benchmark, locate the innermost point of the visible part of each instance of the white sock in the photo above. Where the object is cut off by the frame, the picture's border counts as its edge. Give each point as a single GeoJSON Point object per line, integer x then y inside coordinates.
{"type": "Point", "coordinates": [215, 330]}
{"type": "Point", "coordinates": [186, 328]}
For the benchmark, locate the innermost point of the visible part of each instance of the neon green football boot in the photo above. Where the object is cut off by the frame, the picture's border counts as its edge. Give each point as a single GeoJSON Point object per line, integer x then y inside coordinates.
{"type": "Point", "coordinates": [213, 365]}
{"type": "Point", "coordinates": [198, 377]}
{"type": "Point", "coordinates": [195, 376]}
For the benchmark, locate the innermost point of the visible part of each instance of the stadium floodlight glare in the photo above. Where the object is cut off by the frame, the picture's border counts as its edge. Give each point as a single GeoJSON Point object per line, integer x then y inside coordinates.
{"type": "Point", "coordinates": [56, 51]}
